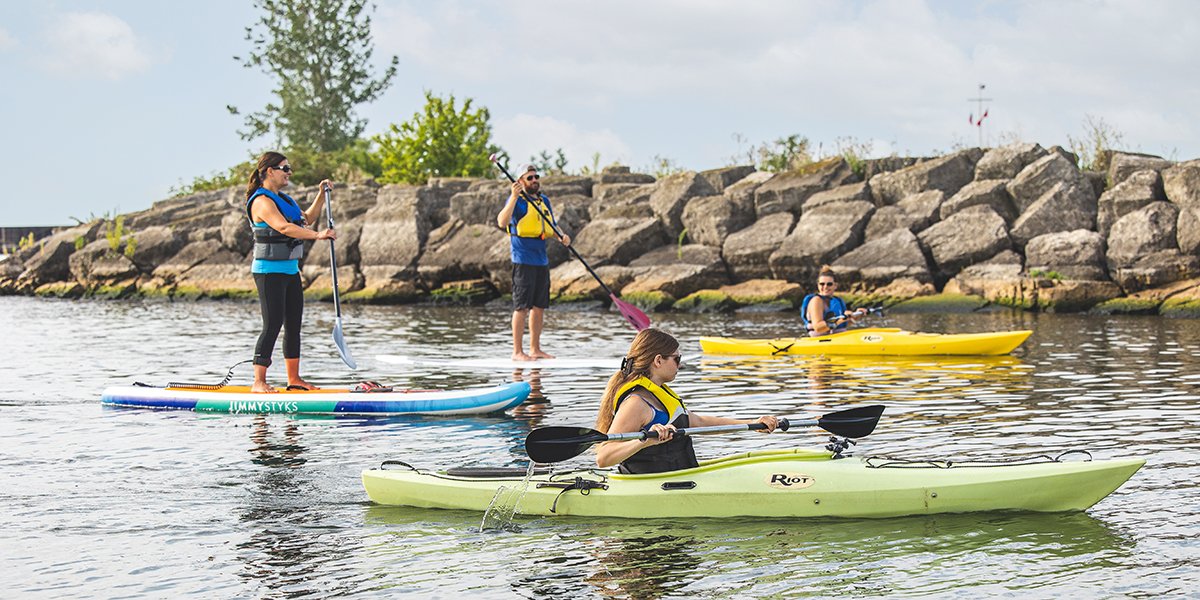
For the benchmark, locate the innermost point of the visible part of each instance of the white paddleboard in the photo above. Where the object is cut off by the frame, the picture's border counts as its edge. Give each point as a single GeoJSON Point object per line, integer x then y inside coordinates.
{"type": "Point", "coordinates": [504, 364]}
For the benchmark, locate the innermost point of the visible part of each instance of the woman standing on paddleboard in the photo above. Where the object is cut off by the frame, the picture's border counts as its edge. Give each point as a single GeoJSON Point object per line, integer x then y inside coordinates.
{"type": "Point", "coordinates": [638, 399]}
{"type": "Point", "coordinates": [280, 228]}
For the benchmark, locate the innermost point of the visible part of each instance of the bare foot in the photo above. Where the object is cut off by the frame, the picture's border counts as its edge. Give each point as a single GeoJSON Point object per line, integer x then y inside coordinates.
{"type": "Point", "coordinates": [536, 354]}
{"type": "Point", "coordinates": [300, 383]}
{"type": "Point", "coordinates": [522, 356]}
{"type": "Point", "coordinates": [262, 387]}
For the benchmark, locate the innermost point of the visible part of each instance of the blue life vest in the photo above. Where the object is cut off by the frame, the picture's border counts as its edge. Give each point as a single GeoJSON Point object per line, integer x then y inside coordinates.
{"type": "Point", "coordinates": [674, 455]}
{"type": "Point", "coordinates": [268, 243]}
{"type": "Point", "coordinates": [835, 309]}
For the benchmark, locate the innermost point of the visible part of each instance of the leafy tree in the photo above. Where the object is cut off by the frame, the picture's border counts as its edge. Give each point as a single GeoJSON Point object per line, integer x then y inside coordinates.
{"type": "Point", "coordinates": [439, 141]}
{"type": "Point", "coordinates": [549, 164]}
{"type": "Point", "coordinates": [319, 53]}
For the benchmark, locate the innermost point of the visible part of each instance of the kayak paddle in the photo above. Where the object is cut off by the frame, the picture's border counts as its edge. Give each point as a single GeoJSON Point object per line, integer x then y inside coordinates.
{"type": "Point", "coordinates": [556, 444]}
{"type": "Point", "coordinates": [635, 317]}
{"type": "Point", "coordinates": [338, 338]}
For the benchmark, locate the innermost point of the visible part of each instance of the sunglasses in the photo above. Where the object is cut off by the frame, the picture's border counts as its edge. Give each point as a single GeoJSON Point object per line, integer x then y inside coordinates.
{"type": "Point", "coordinates": [284, 168]}
{"type": "Point", "coordinates": [533, 177]}
{"type": "Point", "coordinates": [826, 283]}
{"type": "Point", "coordinates": [678, 358]}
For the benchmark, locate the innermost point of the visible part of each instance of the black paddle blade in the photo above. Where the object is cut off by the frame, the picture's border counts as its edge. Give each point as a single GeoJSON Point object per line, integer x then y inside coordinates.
{"type": "Point", "coordinates": [852, 423]}
{"type": "Point", "coordinates": [556, 444]}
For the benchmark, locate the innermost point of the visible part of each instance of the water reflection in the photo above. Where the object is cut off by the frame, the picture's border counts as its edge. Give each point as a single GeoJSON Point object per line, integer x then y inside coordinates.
{"type": "Point", "coordinates": [733, 557]}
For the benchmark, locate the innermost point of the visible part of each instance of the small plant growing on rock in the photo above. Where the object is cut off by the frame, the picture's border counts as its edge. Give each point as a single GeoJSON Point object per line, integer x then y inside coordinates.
{"type": "Point", "coordinates": [1098, 141]}
{"type": "Point", "coordinates": [117, 234]}
{"type": "Point", "coordinates": [80, 242]}
{"type": "Point", "coordinates": [1051, 275]}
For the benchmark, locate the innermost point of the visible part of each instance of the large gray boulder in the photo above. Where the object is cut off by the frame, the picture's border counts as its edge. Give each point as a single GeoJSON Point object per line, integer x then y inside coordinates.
{"type": "Point", "coordinates": [97, 263]}
{"type": "Point", "coordinates": [235, 231]}
{"type": "Point", "coordinates": [571, 281]}
{"type": "Point", "coordinates": [618, 240]}
{"type": "Point", "coordinates": [743, 189]}
{"type": "Point", "coordinates": [1121, 166]}
{"type": "Point", "coordinates": [1064, 207]}
{"type": "Point", "coordinates": [457, 251]}
{"type": "Point", "coordinates": [192, 254]}
{"type": "Point", "coordinates": [1182, 184]}
{"type": "Point", "coordinates": [1035, 180]}
{"type": "Point", "coordinates": [747, 251]}
{"type": "Point", "coordinates": [678, 271]}
{"type": "Point", "coordinates": [1077, 254]}
{"type": "Point", "coordinates": [871, 167]}
{"type": "Point", "coordinates": [787, 191]}
{"type": "Point", "coordinates": [1142, 232]}
{"type": "Point", "coordinates": [671, 194]}
{"type": "Point", "coordinates": [555, 186]}
{"type": "Point", "coordinates": [821, 235]}
{"type": "Point", "coordinates": [476, 208]}
{"type": "Point", "coordinates": [841, 193]}
{"type": "Point", "coordinates": [965, 238]}
{"type": "Point", "coordinates": [48, 260]}
{"type": "Point", "coordinates": [609, 192]}
{"type": "Point", "coordinates": [914, 213]}
{"type": "Point", "coordinates": [221, 272]}
{"type": "Point", "coordinates": [709, 220]}
{"type": "Point", "coordinates": [1187, 230]}
{"type": "Point", "coordinates": [153, 245]}
{"type": "Point", "coordinates": [1155, 270]}
{"type": "Point", "coordinates": [947, 173]}
{"type": "Point", "coordinates": [194, 211]}
{"type": "Point", "coordinates": [880, 261]}
{"type": "Point", "coordinates": [1135, 192]}
{"type": "Point", "coordinates": [992, 193]}
{"type": "Point", "coordinates": [1006, 161]}
{"type": "Point", "coordinates": [395, 229]}
{"type": "Point", "coordinates": [621, 174]}
{"type": "Point", "coordinates": [719, 179]}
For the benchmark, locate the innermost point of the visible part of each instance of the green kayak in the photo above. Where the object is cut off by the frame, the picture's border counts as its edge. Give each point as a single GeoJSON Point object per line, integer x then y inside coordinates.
{"type": "Point", "coordinates": [773, 483]}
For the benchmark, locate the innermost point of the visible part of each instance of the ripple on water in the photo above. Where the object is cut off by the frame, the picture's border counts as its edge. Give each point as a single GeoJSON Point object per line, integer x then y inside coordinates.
{"type": "Point", "coordinates": [153, 504]}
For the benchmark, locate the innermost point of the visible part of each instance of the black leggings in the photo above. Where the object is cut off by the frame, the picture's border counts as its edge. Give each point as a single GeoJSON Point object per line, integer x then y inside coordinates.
{"type": "Point", "coordinates": [282, 300]}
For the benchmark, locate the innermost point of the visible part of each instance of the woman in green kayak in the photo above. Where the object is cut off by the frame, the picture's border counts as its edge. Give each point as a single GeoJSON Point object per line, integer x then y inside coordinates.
{"type": "Point", "coordinates": [638, 399]}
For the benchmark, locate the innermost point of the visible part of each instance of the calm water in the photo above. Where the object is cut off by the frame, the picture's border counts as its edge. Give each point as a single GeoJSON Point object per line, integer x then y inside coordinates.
{"type": "Point", "coordinates": [144, 504]}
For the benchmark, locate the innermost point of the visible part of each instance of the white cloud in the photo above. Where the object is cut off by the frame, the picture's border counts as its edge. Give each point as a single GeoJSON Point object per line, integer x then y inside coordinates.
{"type": "Point", "coordinates": [95, 44]}
{"type": "Point", "coordinates": [7, 41]}
{"type": "Point", "coordinates": [896, 70]}
{"type": "Point", "coordinates": [524, 136]}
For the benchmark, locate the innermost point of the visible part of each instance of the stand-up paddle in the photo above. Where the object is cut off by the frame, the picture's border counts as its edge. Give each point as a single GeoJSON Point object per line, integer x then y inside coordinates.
{"type": "Point", "coordinates": [555, 444]}
{"type": "Point", "coordinates": [636, 318]}
{"type": "Point", "coordinates": [338, 339]}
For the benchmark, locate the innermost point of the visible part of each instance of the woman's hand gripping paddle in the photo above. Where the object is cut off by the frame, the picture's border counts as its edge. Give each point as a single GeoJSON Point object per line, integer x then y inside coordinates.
{"type": "Point", "coordinates": [555, 444]}
{"type": "Point", "coordinates": [636, 318]}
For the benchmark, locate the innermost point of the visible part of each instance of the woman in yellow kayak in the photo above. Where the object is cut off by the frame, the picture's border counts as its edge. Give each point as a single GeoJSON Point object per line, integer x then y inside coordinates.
{"type": "Point", "coordinates": [823, 312]}
{"type": "Point", "coordinates": [638, 399]}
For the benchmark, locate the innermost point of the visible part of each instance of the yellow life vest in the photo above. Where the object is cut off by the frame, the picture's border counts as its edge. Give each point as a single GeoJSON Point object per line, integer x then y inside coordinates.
{"type": "Point", "coordinates": [532, 225]}
{"type": "Point", "coordinates": [670, 400]}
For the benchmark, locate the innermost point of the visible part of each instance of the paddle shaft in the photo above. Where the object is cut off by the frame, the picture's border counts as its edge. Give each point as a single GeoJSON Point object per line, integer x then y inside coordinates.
{"type": "Point", "coordinates": [784, 425]}
{"type": "Point", "coordinates": [557, 233]}
{"type": "Point", "coordinates": [337, 304]}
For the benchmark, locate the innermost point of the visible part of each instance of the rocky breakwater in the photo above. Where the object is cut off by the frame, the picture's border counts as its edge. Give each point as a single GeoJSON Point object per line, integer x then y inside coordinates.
{"type": "Point", "coordinates": [1019, 226]}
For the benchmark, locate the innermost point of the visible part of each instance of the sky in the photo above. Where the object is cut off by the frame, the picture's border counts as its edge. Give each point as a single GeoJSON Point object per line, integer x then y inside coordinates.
{"type": "Point", "coordinates": [107, 105]}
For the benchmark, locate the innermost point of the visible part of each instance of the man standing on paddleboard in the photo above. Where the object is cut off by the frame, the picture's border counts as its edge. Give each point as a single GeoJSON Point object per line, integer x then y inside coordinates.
{"type": "Point", "coordinates": [528, 223]}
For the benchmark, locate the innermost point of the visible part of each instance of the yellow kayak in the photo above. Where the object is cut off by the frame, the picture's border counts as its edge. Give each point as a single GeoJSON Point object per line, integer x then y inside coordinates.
{"type": "Point", "coordinates": [879, 341]}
